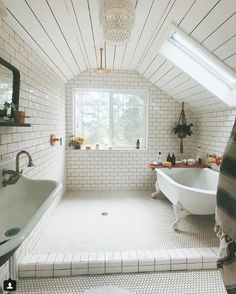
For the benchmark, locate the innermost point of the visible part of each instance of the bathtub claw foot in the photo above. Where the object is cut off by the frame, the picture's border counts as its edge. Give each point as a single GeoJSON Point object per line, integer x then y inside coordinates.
{"type": "Point", "coordinates": [180, 213]}
{"type": "Point", "coordinates": [153, 195]}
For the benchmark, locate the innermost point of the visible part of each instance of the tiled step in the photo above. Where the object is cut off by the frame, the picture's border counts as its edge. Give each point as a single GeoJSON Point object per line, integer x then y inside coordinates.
{"type": "Point", "coordinates": [65, 264]}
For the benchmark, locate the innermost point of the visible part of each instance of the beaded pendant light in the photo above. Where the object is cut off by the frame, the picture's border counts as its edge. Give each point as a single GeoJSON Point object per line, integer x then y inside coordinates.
{"type": "Point", "coordinates": [117, 20]}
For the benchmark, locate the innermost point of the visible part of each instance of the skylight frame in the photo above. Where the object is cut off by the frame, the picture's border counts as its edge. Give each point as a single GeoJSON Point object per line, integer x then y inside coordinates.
{"type": "Point", "coordinates": [200, 55]}
{"type": "Point", "coordinates": [207, 71]}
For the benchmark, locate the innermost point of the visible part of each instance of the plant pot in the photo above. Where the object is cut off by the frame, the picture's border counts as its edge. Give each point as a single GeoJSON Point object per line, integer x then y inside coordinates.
{"type": "Point", "coordinates": [181, 135]}
{"type": "Point", "coordinates": [3, 112]}
{"type": "Point", "coordinates": [77, 145]}
{"type": "Point", "coordinates": [20, 117]}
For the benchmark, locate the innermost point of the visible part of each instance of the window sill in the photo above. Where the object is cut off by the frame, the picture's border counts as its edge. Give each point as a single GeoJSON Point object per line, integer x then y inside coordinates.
{"type": "Point", "coordinates": [113, 149]}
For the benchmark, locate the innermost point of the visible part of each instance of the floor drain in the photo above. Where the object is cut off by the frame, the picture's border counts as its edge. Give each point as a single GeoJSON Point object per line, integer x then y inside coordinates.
{"type": "Point", "coordinates": [104, 213]}
{"type": "Point", "coordinates": [12, 232]}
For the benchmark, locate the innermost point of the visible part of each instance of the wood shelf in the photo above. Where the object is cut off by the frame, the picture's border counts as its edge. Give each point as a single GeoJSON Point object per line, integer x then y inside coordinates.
{"type": "Point", "coordinates": [178, 165]}
{"type": "Point", "coordinates": [13, 124]}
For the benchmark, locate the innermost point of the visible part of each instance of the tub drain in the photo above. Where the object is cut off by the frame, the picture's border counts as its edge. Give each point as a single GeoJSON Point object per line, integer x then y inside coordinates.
{"type": "Point", "coordinates": [12, 232]}
{"type": "Point", "coordinates": [104, 213]}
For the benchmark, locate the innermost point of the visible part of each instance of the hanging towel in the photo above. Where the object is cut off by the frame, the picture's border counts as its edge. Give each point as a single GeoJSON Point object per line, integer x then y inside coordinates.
{"type": "Point", "coordinates": [226, 215]}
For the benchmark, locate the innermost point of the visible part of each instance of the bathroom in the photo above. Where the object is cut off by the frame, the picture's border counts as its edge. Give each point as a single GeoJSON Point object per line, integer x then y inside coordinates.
{"type": "Point", "coordinates": [101, 212]}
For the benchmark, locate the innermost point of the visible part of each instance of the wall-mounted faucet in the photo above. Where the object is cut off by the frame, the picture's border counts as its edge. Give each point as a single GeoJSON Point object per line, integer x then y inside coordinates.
{"type": "Point", "coordinates": [16, 174]}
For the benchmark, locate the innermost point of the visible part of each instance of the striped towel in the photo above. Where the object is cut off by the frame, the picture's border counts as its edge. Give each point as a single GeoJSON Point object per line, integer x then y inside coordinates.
{"type": "Point", "coordinates": [226, 215]}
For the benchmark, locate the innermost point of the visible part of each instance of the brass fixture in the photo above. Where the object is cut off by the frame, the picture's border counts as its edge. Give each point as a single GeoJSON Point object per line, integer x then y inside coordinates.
{"type": "Point", "coordinates": [101, 70]}
{"type": "Point", "coordinates": [214, 159]}
{"type": "Point", "coordinates": [54, 139]}
{"type": "Point", "coordinates": [16, 174]}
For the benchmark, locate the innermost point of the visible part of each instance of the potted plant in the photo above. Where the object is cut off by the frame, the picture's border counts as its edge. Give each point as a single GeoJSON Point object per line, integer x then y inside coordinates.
{"type": "Point", "coordinates": [6, 106]}
{"type": "Point", "coordinates": [182, 129]}
{"type": "Point", "coordinates": [76, 142]}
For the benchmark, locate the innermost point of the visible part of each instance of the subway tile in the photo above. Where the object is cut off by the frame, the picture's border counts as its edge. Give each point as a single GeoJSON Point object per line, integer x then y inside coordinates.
{"type": "Point", "coordinates": [44, 273]}
{"type": "Point", "coordinates": [162, 267]}
{"type": "Point", "coordinates": [79, 271]}
{"type": "Point", "coordinates": [27, 274]}
{"type": "Point", "coordinates": [96, 270]}
{"type": "Point", "coordinates": [61, 272]}
{"type": "Point", "coordinates": [146, 268]}
{"type": "Point", "coordinates": [113, 270]}
{"type": "Point", "coordinates": [129, 269]}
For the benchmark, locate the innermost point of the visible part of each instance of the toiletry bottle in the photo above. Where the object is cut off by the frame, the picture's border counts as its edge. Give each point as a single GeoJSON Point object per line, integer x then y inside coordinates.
{"type": "Point", "coordinates": [159, 158]}
{"type": "Point", "coordinates": [198, 154]}
{"type": "Point", "coordinates": [169, 158]}
{"type": "Point", "coordinates": [137, 144]}
{"type": "Point", "coordinates": [173, 159]}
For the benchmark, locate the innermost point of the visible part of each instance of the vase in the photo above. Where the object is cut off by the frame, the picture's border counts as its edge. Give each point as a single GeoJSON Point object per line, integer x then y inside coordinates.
{"type": "Point", "coordinates": [20, 117]}
{"type": "Point", "coordinates": [181, 135]}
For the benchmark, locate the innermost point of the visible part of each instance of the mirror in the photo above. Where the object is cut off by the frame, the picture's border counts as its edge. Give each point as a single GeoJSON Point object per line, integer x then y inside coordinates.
{"type": "Point", "coordinates": [9, 88]}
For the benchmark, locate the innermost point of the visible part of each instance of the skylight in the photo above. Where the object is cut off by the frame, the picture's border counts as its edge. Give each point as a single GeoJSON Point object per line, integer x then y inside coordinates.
{"type": "Point", "coordinates": [200, 64]}
{"type": "Point", "coordinates": [203, 58]}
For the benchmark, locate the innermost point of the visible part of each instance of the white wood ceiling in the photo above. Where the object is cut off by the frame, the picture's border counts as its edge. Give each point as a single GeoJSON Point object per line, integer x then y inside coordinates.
{"type": "Point", "coordinates": [67, 35]}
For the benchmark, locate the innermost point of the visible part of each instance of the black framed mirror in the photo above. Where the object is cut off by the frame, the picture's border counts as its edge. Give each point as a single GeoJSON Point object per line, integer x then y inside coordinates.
{"type": "Point", "coordinates": [9, 88]}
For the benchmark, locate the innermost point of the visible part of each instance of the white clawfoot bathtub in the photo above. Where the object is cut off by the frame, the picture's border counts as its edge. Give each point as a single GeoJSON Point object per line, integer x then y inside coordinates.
{"type": "Point", "coordinates": [190, 190]}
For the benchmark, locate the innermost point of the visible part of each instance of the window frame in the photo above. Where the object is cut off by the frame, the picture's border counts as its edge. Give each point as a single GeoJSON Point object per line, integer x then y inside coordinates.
{"type": "Point", "coordinates": [112, 91]}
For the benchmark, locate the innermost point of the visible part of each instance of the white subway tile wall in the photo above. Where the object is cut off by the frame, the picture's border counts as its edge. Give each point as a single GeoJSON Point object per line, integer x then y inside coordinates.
{"type": "Point", "coordinates": [42, 97]}
{"type": "Point", "coordinates": [116, 169]}
{"type": "Point", "coordinates": [212, 131]}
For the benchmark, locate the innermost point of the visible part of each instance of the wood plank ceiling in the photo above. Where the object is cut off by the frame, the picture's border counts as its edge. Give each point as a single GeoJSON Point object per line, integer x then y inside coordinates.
{"type": "Point", "coordinates": [67, 35]}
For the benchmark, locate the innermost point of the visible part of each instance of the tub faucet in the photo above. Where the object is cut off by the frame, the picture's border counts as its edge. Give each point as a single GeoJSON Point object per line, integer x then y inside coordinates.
{"type": "Point", "coordinates": [16, 174]}
{"type": "Point", "coordinates": [213, 158]}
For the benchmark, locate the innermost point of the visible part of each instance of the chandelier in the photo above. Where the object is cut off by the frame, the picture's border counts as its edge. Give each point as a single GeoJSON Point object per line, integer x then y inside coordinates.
{"type": "Point", "coordinates": [117, 20]}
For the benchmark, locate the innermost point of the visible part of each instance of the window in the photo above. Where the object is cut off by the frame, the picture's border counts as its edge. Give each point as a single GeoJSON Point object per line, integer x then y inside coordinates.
{"type": "Point", "coordinates": [111, 118]}
{"type": "Point", "coordinates": [200, 64]}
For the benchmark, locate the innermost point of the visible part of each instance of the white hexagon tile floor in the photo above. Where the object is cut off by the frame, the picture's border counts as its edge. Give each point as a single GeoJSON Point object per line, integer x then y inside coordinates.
{"type": "Point", "coordinates": [181, 282]}
{"type": "Point", "coordinates": [132, 221]}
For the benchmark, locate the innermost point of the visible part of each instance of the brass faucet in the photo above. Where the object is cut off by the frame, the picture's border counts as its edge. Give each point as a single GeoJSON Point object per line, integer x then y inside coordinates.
{"type": "Point", "coordinates": [16, 174]}
{"type": "Point", "coordinates": [214, 159]}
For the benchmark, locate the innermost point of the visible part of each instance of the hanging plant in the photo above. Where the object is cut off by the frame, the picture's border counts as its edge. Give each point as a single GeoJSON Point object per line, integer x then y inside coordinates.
{"type": "Point", "coordinates": [182, 129]}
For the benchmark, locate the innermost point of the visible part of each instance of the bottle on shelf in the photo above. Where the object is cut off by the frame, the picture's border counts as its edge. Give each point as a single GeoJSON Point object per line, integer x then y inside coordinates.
{"type": "Point", "coordinates": [173, 159]}
{"type": "Point", "coordinates": [138, 144]}
{"type": "Point", "coordinates": [159, 158]}
{"type": "Point", "coordinates": [169, 159]}
{"type": "Point", "coordinates": [198, 157]}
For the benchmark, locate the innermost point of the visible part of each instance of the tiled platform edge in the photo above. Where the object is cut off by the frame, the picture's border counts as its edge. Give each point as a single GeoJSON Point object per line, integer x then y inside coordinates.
{"type": "Point", "coordinates": [66, 264]}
